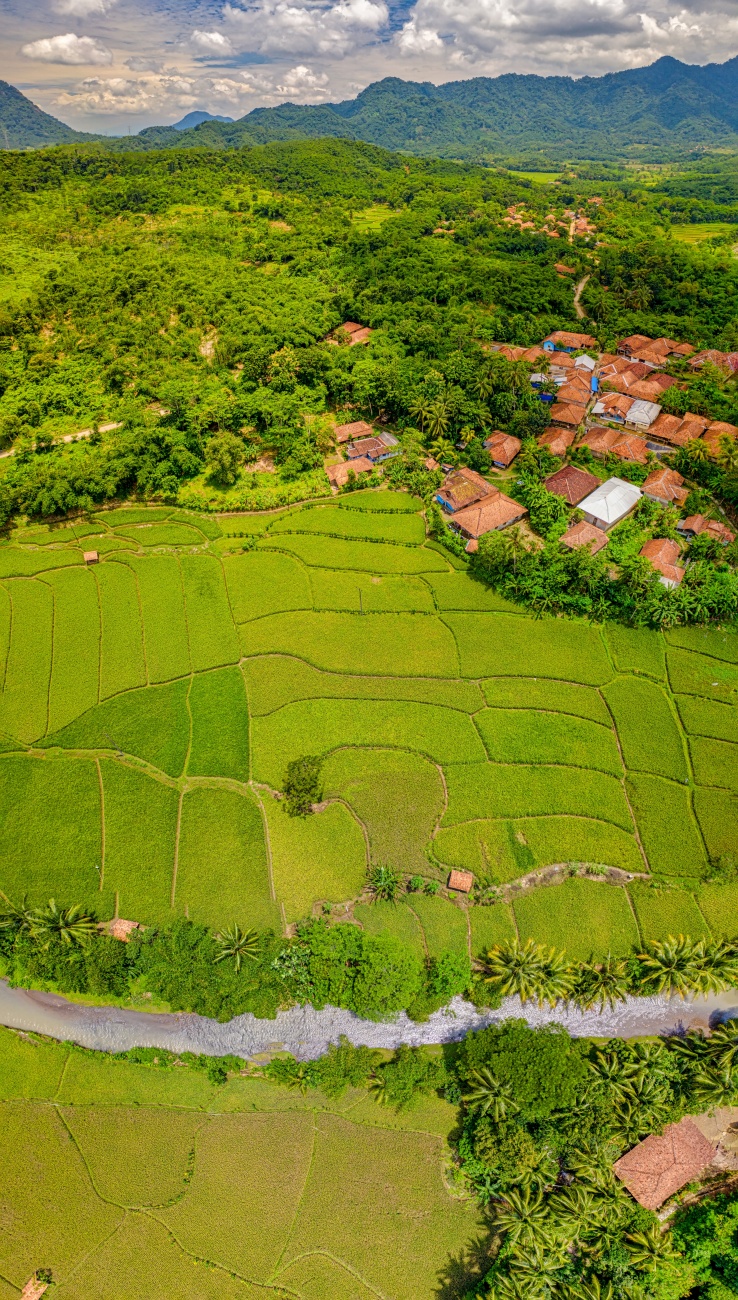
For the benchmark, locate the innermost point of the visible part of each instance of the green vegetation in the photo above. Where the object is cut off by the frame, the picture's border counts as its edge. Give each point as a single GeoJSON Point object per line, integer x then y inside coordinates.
{"type": "Point", "coordinates": [322, 857]}
{"type": "Point", "coordinates": [220, 725]}
{"type": "Point", "coordinates": [641, 711]}
{"type": "Point", "coordinates": [152, 724]}
{"type": "Point", "coordinates": [398, 797]}
{"type": "Point", "coordinates": [667, 827]}
{"type": "Point", "coordinates": [604, 920]}
{"type": "Point", "coordinates": [528, 736]}
{"type": "Point", "coordinates": [662, 912]}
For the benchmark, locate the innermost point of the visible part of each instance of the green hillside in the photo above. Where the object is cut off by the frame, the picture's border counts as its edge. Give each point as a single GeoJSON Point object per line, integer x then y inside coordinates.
{"type": "Point", "coordinates": [25, 126]}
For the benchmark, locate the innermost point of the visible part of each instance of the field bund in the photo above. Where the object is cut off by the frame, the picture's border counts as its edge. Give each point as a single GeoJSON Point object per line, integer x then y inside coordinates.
{"type": "Point", "coordinates": [307, 1033]}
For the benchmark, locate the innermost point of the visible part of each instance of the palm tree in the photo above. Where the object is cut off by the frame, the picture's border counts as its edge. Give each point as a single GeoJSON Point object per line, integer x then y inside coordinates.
{"type": "Point", "coordinates": [378, 1089]}
{"type": "Point", "coordinates": [70, 925]}
{"type": "Point", "coordinates": [485, 383]}
{"type": "Point", "coordinates": [384, 883]}
{"type": "Point", "coordinates": [728, 455]}
{"type": "Point", "coordinates": [672, 965]}
{"type": "Point", "coordinates": [714, 1087]}
{"type": "Point", "coordinates": [490, 1095]}
{"type": "Point", "coordinates": [467, 435]}
{"type": "Point", "coordinates": [444, 451]}
{"type": "Point", "coordinates": [723, 1044]}
{"type": "Point", "coordinates": [557, 978]}
{"type": "Point", "coordinates": [20, 917]}
{"type": "Point", "coordinates": [439, 417]}
{"type": "Point", "coordinates": [649, 1245]}
{"type": "Point", "coordinates": [238, 944]}
{"type": "Point", "coordinates": [516, 968]}
{"type": "Point", "coordinates": [420, 408]}
{"type": "Point", "coordinates": [523, 1216]}
{"type": "Point", "coordinates": [697, 450]}
{"type": "Point", "coordinates": [602, 983]}
{"type": "Point", "coordinates": [575, 1209]}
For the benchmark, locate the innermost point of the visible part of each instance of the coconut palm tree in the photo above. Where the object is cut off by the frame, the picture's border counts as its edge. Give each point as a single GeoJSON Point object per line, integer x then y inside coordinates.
{"type": "Point", "coordinates": [720, 966]}
{"type": "Point", "coordinates": [420, 408]}
{"type": "Point", "coordinates": [439, 417]}
{"type": "Point", "coordinates": [516, 968]}
{"type": "Point", "coordinates": [384, 883]}
{"type": "Point", "coordinates": [714, 1086]}
{"type": "Point", "coordinates": [17, 917]}
{"type": "Point", "coordinates": [602, 983]}
{"type": "Point", "coordinates": [444, 451]}
{"type": "Point", "coordinates": [71, 925]}
{"type": "Point", "coordinates": [490, 1095]}
{"type": "Point", "coordinates": [523, 1216]}
{"type": "Point", "coordinates": [485, 383]}
{"type": "Point", "coordinates": [672, 965]}
{"type": "Point", "coordinates": [697, 450]}
{"type": "Point", "coordinates": [557, 978]}
{"type": "Point", "coordinates": [723, 1044]}
{"type": "Point", "coordinates": [575, 1209]}
{"type": "Point", "coordinates": [728, 454]}
{"type": "Point", "coordinates": [378, 1089]}
{"type": "Point", "coordinates": [238, 944]}
{"type": "Point", "coordinates": [649, 1245]}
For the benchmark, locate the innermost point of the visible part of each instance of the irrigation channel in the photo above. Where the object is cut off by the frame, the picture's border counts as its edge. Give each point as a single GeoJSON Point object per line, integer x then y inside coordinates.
{"type": "Point", "coordinates": [306, 1033]}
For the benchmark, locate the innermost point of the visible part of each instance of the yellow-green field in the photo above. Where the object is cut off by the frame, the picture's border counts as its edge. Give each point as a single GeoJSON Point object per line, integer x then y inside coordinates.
{"type": "Point", "coordinates": [698, 233]}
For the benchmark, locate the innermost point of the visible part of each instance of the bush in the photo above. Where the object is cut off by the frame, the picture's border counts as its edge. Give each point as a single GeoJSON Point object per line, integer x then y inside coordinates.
{"type": "Point", "coordinates": [410, 1074]}
{"type": "Point", "coordinates": [302, 785]}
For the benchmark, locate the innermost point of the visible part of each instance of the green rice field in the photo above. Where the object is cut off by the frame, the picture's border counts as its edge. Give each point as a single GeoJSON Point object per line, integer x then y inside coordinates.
{"type": "Point", "coordinates": [150, 704]}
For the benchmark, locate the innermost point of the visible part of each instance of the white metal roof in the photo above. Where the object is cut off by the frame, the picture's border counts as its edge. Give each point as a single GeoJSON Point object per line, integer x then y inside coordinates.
{"type": "Point", "coordinates": [584, 362]}
{"type": "Point", "coordinates": [642, 412]}
{"type": "Point", "coordinates": [611, 501]}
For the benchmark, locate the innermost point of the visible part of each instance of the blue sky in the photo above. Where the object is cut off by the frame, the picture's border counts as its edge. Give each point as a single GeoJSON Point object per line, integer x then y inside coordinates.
{"type": "Point", "coordinates": [120, 65]}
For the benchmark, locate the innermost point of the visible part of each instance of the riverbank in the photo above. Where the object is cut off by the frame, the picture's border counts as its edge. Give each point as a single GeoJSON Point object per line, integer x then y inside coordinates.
{"type": "Point", "coordinates": [307, 1033]}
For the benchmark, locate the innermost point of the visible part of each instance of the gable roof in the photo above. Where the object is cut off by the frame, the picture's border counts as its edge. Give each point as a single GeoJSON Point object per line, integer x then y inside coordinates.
{"type": "Point", "coordinates": [584, 534]}
{"type": "Point", "coordinates": [576, 390]}
{"type": "Point", "coordinates": [503, 447]}
{"type": "Point", "coordinates": [669, 429]}
{"type": "Point", "coordinates": [568, 413]}
{"type": "Point", "coordinates": [613, 404]}
{"type": "Point", "coordinates": [612, 500]}
{"type": "Point", "coordinates": [698, 524]}
{"type": "Point", "coordinates": [357, 429]}
{"type": "Point", "coordinates": [626, 446]}
{"type": "Point", "coordinates": [568, 340]}
{"type": "Point", "coordinates": [663, 555]}
{"type": "Point", "coordinates": [462, 487]}
{"type": "Point", "coordinates": [557, 440]}
{"type": "Point", "coordinates": [643, 412]}
{"type": "Point", "coordinates": [659, 1167]}
{"type": "Point", "coordinates": [493, 511]}
{"type": "Point", "coordinates": [339, 474]}
{"type": "Point", "coordinates": [665, 485]}
{"type": "Point", "coordinates": [571, 483]}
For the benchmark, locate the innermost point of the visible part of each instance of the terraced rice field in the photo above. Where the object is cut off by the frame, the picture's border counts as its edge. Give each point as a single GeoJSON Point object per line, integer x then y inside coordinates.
{"type": "Point", "coordinates": [150, 705]}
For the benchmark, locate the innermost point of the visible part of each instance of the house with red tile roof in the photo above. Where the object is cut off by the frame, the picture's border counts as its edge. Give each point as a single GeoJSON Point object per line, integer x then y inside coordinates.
{"type": "Point", "coordinates": [725, 361]}
{"type": "Point", "coordinates": [576, 391]}
{"type": "Point", "coordinates": [356, 429]}
{"type": "Point", "coordinates": [489, 514]}
{"type": "Point", "coordinates": [661, 1166]}
{"type": "Point", "coordinates": [503, 448]}
{"type": "Point", "coordinates": [558, 441]}
{"type": "Point", "coordinates": [714, 434]}
{"type": "Point", "coordinates": [694, 525]}
{"type": "Point", "coordinates": [663, 554]}
{"type": "Point", "coordinates": [568, 414]}
{"type": "Point", "coordinates": [566, 341]}
{"type": "Point", "coordinates": [665, 486]}
{"type": "Point", "coordinates": [339, 474]}
{"type": "Point", "coordinates": [626, 446]}
{"type": "Point", "coordinates": [461, 488]}
{"type": "Point", "coordinates": [613, 406]}
{"type": "Point", "coordinates": [584, 534]}
{"type": "Point", "coordinates": [571, 483]}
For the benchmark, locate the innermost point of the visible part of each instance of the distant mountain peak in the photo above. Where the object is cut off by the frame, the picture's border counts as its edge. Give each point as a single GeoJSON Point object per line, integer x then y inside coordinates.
{"type": "Point", "coordinates": [196, 117]}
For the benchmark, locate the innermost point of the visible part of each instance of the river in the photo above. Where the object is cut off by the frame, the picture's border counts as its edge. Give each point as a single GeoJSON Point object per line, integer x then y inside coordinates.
{"type": "Point", "coordinates": [306, 1033]}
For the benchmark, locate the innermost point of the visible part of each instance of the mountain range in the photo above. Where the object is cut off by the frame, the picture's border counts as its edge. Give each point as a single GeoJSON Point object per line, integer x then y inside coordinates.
{"type": "Point", "coordinates": [663, 109]}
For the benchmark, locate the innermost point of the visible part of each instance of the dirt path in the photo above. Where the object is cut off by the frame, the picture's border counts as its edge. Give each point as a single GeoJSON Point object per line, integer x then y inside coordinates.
{"type": "Point", "coordinates": [581, 313]}
{"type": "Point", "coordinates": [72, 437]}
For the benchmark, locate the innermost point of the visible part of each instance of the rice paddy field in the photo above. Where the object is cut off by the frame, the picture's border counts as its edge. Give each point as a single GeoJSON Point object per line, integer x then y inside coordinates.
{"type": "Point", "coordinates": [150, 704]}
{"type": "Point", "coordinates": [149, 1183]}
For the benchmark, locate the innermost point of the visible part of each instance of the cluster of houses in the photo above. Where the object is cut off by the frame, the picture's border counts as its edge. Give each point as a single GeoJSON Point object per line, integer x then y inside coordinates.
{"type": "Point", "coordinates": [568, 224]}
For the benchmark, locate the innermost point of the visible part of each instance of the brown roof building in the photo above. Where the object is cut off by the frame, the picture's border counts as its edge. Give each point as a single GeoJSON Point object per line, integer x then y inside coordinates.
{"type": "Point", "coordinates": [576, 390]}
{"type": "Point", "coordinates": [725, 361]}
{"type": "Point", "coordinates": [365, 447]}
{"type": "Point", "coordinates": [568, 414]}
{"type": "Point", "coordinates": [461, 881]}
{"type": "Point", "coordinates": [558, 441]}
{"type": "Point", "coordinates": [356, 333]}
{"type": "Point", "coordinates": [584, 534]}
{"type": "Point", "coordinates": [693, 525]}
{"type": "Point", "coordinates": [613, 406]}
{"type": "Point", "coordinates": [663, 555]}
{"type": "Point", "coordinates": [659, 1167]}
{"type": "Point", "coordinates": [569, 342]}
{"type": "Point", "coordinates": [503, 448]}
{"type": "Point", "coordinates": [493, 512]}
{"type": "Point", "coordinates": [339, 474]}
{"type": "Point", "coordinates": [665, 486]}
{"type": "Point", "coordinates": [571, 483]}
{"type": "Point", "coordinates": [626, 446]}
{"type": "Point", "coordinates": [668, 428]}
{"type": "Point", "coordinates": [461, 488]}
{"type": "Point", "coordinates": [715, 432]}
{"type": "Point", "coordinates": [357, 429]}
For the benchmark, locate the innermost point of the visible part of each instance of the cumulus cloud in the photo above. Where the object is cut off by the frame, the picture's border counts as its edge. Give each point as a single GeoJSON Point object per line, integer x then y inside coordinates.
{"type": "Point", "coordinates": [297, 27]}
{"type": "Point", "coordinates": [82, 8]}
{"type": "Point", "coordinates": [68, 49]}
{"type": "Point", "coordinates": [210, 43]}
{"type": "Point", "coordinates": [303, 83]}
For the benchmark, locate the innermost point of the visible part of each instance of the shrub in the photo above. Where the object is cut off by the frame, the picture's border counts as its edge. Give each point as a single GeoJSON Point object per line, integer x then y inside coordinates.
{"type": "Point", "coordinates": [302, 785]}
{"type": "Point", "coordinates": [410, 1074]}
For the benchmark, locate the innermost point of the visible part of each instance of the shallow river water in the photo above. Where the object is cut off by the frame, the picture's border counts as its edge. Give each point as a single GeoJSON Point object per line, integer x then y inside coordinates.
{"type": "Point", "coordinates": [306, 1032]}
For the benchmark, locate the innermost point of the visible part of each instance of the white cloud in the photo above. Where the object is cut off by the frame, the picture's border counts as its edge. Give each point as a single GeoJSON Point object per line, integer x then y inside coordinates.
{"type": "Point", "coordinates": [303, 83]}
{"type": "Point", "coordinates": [297, 27]}
{"type": "Point", "coordinates": [210, 43]}
{"type": "Point", "coordinates": [82, 8]}
{"type": "Point", "coordinates": [68, 49]}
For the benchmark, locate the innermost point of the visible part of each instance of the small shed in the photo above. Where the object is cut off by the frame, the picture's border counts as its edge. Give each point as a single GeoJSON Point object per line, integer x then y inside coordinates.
{"type": "Point", "coordinates": [461, 881]}
{"type": "Point", "coordinates": [91, 557]}
{"type": "Point", "coordinates": [660, 1166]}
{"type": "Point", "coordinates": [612, 501]}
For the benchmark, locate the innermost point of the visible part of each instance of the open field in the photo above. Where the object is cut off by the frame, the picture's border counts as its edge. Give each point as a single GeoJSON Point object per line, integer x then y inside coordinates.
{"type": "Point", "coordinates": [147, 702]}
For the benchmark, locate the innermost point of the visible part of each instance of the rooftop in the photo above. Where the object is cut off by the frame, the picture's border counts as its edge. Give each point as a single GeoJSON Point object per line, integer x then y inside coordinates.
{"type": "Point", "coordinates": [659, 1167]}
{"type": "Point", "coordinates": [464, 486]}
{"type": "Point", "coordinates": [571, 483]}
{"type": "Point", "coordinates": [584, 534]}
{"type": "Point", "coordinates": [493, 511]}
{"type": "Point", "coordinates": [663, 554]}
{"type": "Point", "coordinates": [357, 429]}
{"type": "Point", "coordinates": [611, 500]}
{"type": "Point", "coordinates": [503, 447]}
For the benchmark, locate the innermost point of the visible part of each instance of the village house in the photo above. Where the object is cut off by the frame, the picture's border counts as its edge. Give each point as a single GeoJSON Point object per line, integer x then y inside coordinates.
{"type": "Point", "coordinates": [626, 446]}
{"type": "Point", "coordinates": [379, 448]}
{"type": "Point", "coordinates": [490, 514]}
{"type": "Point", "coordinates": [653, 351]}
{"type": "Point", "coordinates": [715, 432]}
{"type": "Point", "coordinates": [461, 488]}
{"type": "Point", "coordinates": [558, 441]}
{"type": "Point", "coordinates": [584, 534]}
{"type": "Point", "coordinates": [503, 448]}
{"type": "Point", "coordinates": [612, 501]}
{"type": "Point", "coordinates": [642, 414]}
{"type": "Point", "coordinates": [356, 333]}
{"type": "Point", "coordinates": [670, 429]}
{"type": "Point", "coordinates": [612, 406]}
{"type": "Point", "coordinates": [725, 361]}
{"type": "Point", "coordinates": [350, 432]}
{"type": "Point", "coordinates": [661, 1166]}
{"type": "Point", "coordinates": [575, 391]}
{"type": "Point", "coordinates": [665, 486]}
{"type": "Point", "coordinates": [565, 341]}
{"type": "Point", "coordinates": [339, 474]}
{"type": "Point", "coordinates": [663, 554]}
{"type": "Point", "coordinates": [694, 525]}
{"type": "Point", "coordinates": [571, 483]}
{"type": "Point", "coordinates": [568, 414]}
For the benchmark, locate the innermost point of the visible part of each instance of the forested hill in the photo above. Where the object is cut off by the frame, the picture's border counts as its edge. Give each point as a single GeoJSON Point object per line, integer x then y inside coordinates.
{"type": "Point", "coordinates": [25, 126]}
{"type": "Point", "coordinates": [666, 107]}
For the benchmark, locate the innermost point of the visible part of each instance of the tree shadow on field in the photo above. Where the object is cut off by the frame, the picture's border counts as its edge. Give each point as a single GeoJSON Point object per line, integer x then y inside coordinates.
{"type": "Point", "coordinates": [463, 1272]}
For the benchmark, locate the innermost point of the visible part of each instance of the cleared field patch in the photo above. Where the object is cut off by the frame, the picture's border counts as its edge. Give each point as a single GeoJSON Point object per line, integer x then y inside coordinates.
{"type": "Point", "coordinates": [76, 657]}
{"type": "Point", "coordinates": [265, 582]}
{"type": "Point", "coordinates": [29, 1068]}
{"type": "Point", "coordinates": [715, 762]}
{"type": "Point", "coordinates": [667, 828]}
{"type": "Point", "coordinates": [322, 857]}
{"type": "Point", "coordinates": [28, 672]}
{"type": "Point", "coordinates": [444, 924]}
{"type": "Point", "coordinates": [99, 1080]}
{"type": "Point", "coordinates": [717, 814]}
{"type": "Point", "coordinates": [152, 724]}
{"type": "Point", "coordinates": [234, 1213]}
{"type": "Point", "coordinates": [649, 734]}
{"type": "Point", "coordinates": [220, 725]}
{"type": "Point", "coordinates": [459, 591]}
{"type": "Point", "coordinates": [140, 829]}
{"type": "Point", "coordinates": [494, 790]}
{"type": "Point", "coordinates": [311, 726]}
{"type": "Point", "coordinates": [720, 643]}
{"type": "Point", "coordinates": [397, 919]}
{"type": "Point", "coordinates": [662, 912]}
{"type": "Point", "coordinates": [719, 904]}
{"type": "Point", "coordinates": [365, 593]}
{"type": "Point", "coordinates": [702, 717]}
{"type": "Point", "coordinates": [356, 1168]}
{"type": "Point", "coordinates": [372, 557]}
{"type": "Point", "coordinates": [135, 1156]}
{"type": "Point", "coordinates": [332, 521]}
{"type": "Point", "coordinates": [491, 925]}
{"type": "Point", "coordinates": [47, 1196]}
{"type": "Point", "coordinates": [533, 736]}
{"type": "Point", "coordinates": [213, 640]}
{"type": "Point", "coordinates": [223, 874]}
{"type": "Point", "coordinates": [544, 693]}
{"type": "Point", "coordinates": [402, 645]}
{"type": "Point", "coordinates": [695, 674]}
{"type": "Point", "coordinates": [398, 796]}
{"type": "Point", "coordinates": [5, 614]}
{"type": "Point", "coordinates": [50, 844]}
{"type": "Point", "coordinates": [165, 534]}
{"type": "Point", "coordinates": [275, 680]}
{"type": "Point", "coordinates": [584, 917]}
{"type": "Point", "coordinates": [165, 623]}
{"type": "Point", "coordinates": [506, 644]}
{"type": "Point", "coordinates": [122, 664]}
{"type": "Point", "coordinates": [382, 500]}
{"type": "Point", "coordinates": [636, 649]}
{"type": "Point", "coordinates": [488, 848]}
